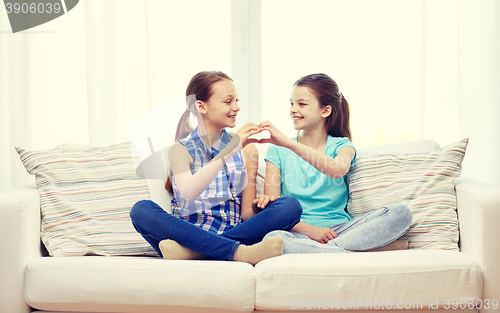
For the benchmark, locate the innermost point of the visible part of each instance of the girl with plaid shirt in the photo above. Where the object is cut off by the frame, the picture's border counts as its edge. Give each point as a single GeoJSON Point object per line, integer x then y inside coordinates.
{"type": "Point", "coordinates": [215, 211]}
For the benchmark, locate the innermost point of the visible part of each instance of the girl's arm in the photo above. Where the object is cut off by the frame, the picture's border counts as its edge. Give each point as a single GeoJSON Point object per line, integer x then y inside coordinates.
{"type": "Point", "coordinates": [272, 183]}
{"type": "Point", "coordinates": [319, 234]}
{"type": "Point", "coordinates": [332, 167]}
{"type": "Point", "coordinates": [250, 205]}
{"type": "Point", "coordinates": [251, 159]}
{"type": "Point", "coordinates": [192, 186]}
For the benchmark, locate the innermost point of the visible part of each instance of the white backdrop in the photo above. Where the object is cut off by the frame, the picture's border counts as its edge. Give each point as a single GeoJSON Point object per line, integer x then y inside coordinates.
{"type": "Point", "coordinates": [410, 69]}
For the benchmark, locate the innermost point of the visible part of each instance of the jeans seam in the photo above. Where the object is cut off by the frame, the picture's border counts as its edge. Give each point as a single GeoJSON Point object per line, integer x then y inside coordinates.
{"type": "Point", "coordinates": [291, 225]}
{"type": "Point", "coordinates": [308, 246]}
{"type": "Point", "coordinates": [144, 234]}
{"type": "Point", "coordinates": [233, 250]}
{"type": "Point", "coordinates": [357, 221]}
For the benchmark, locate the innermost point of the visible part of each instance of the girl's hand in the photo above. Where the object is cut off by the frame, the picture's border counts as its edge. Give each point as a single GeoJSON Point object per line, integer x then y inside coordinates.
{"type": "Point", "coordinates": [239, 141]}
{"type": "Point", "coordinates": [246, 131]}
{"type": "Point", "coordinates": [277, 137]}
{"type": "Point", "coordinates": [320, 234]}
{"type": "Point", "coordinates": [262, 201]}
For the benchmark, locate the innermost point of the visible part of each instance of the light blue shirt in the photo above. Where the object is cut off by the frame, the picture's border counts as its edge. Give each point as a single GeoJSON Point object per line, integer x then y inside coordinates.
{"type": "Point", "coordinates": [323, 198]}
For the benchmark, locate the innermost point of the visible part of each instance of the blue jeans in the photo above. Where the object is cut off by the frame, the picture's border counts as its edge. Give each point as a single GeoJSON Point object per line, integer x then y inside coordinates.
{"type": "Point", "coordinates": [371, 231]}
{"type": "Point", "coordinates": [155, 225]}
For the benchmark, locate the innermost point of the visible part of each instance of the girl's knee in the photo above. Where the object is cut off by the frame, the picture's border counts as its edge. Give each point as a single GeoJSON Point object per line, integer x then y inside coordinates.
{"type": "Point", "coordinates": [292, 205]}
{"type": "Point", "coordinates": [406, 213]}
{"type": "Point", "coordinates": [138, 209]}
{"type": "Point", "coordinates": [403, 213]}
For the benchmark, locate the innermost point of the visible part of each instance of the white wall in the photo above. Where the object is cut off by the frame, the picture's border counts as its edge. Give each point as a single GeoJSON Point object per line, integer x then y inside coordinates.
{"type": "Point", "coordinates": [84, 77]}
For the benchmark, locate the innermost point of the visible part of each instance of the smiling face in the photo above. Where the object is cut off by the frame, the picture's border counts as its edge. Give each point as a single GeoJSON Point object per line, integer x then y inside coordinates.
{"type": "Point", "coordinates": [305, 109]}
{"type": "Point", "coordinates": [221, 108]}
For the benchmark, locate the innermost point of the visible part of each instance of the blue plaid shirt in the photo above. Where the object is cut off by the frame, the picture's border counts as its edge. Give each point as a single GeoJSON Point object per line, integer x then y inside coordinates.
{"type": "Point", "coordinates": [217, 209]}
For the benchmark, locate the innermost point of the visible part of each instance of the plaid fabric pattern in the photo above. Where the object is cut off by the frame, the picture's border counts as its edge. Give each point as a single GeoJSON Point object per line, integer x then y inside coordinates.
{"type": "Point", "coordinates": [217, 209]}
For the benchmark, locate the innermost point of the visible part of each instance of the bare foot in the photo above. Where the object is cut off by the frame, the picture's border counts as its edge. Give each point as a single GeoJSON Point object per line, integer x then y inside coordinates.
{"type": "Point", "coordinates": [171, 250]}
{"type": "Point", "coordinates": [400, 244]}
{"type": "Point", "coordinates": [267, 248]}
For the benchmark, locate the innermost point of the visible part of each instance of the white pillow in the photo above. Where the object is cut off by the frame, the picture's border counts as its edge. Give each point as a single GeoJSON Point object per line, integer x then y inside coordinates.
{"type": "Point", "coordinates": [423, 180]}
{"type": "Point", "coordinates": [85, 198]}
{"type": "Point", "coordinates": [159, 194]}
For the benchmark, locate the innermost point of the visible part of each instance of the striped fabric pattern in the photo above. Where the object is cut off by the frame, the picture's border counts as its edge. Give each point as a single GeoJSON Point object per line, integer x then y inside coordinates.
{"type": "Point", "coordinates": [423, 180]}
{"type": "Point", "coordinates": [85, 199]}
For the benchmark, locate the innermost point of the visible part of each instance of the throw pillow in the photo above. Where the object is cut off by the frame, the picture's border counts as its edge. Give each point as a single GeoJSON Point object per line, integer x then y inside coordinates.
{"type": "Point", "coordinates": [85, 198]}
{"type": "Point", "coordinates": [424, 181]}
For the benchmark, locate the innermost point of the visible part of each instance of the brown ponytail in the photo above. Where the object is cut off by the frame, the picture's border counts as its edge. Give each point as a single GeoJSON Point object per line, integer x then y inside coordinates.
{"type": "Point", "coordinates": [184, 128]}
{"type": "Point", "coordinates": [327, 92]}
{"type": "Point", "coordinates": [199, 88]}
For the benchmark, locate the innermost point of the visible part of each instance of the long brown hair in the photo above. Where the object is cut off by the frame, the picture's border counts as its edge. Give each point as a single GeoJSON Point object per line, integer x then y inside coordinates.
{"type": "Point", "coordinates": [327, 92]}
{"type": "Point", "coordinates": [199, 88]}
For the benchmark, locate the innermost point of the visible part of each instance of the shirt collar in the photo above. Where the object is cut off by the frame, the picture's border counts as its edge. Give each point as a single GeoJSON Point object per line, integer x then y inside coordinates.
{"type": "Point", "coordinates": [217, 147]}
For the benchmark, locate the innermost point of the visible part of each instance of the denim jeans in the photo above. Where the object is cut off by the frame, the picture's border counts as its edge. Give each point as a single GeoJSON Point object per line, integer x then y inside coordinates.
{"type": "Point", "coordinates": [373, 230]}
{"type": "Point", "coordinates": [155, 225]}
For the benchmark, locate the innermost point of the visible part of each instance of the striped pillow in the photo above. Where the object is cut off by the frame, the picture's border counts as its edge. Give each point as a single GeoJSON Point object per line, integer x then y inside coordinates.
{"type": "Point", "coordinates": [85, 199]}
{"type": "Point", "coordinates": [421, 180]}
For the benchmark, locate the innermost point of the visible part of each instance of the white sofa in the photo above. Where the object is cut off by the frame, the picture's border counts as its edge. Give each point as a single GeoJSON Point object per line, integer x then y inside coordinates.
{"type": "Point", "coordinates": [424, 280]}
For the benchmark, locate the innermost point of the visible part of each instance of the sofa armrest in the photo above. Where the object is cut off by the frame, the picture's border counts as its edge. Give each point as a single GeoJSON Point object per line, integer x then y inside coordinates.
{"type": "Point", "coordinates": [479, 222]}
{"type": "Point", "coordinates": [19, 242]}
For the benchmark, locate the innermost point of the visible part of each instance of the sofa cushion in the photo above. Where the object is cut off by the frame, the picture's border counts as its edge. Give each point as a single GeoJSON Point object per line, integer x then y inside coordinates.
{"type": "Point", "coordinates": [372, 280]}
{"type": "Point", "coordinates": [423, 180]}
{"type": "Point", "coordinates": [401, 147]}
{"type": "Point", "coordinates": [138, 284]}
{"type": "Point", "coordinates": [85, 198]}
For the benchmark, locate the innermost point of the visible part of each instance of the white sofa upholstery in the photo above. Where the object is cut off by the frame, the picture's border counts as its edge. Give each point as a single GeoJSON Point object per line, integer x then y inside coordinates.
{"type": "Point", "coordinates": [422, 280]}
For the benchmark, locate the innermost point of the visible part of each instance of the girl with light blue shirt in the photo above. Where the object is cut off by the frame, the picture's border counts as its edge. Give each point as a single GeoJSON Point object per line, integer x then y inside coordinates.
{"type": "Point", "coordinates": [311, 167]}
{"type": "Point", "coordinates": [215, 211]}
